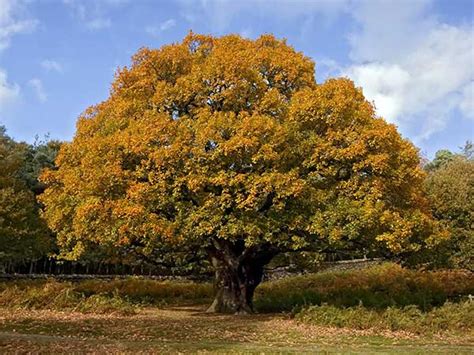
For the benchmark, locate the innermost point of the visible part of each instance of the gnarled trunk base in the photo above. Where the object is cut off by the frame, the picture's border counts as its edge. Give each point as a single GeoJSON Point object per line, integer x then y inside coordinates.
{"type": "Point", "coordinates": [237, 275]}
{"type": "Point", "coordinates": [234, 289]}
{"type": "Point", "coordinates": [226, 302]}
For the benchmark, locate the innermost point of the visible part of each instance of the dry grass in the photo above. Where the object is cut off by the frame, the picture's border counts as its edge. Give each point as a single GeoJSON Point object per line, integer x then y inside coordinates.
{"type": "Point", "coordinates": [454, 318]}
{"type": "Point", "coordinates": [376, 287]}
{"type": "Point", "coordinates": [189, 329]}
{"type": "Point", "coordinates": [150, 291]}
{"type": "Point", "coordinates": [99, 296]}
{"type": "Point", "coordinates": [136, 315]}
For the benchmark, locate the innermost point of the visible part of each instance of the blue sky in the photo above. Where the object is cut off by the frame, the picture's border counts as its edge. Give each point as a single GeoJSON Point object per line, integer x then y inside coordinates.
{"type": "Point", "coordinates": [413, 58]}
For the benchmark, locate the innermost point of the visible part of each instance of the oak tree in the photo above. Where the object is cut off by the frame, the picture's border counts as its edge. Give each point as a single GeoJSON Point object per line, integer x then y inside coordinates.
{"type": "Point", "coordinates": [228, 146]}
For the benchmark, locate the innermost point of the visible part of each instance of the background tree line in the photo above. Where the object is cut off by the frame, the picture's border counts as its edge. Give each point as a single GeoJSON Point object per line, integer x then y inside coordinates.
{"type": "Point", "coordinates": [23, 234]}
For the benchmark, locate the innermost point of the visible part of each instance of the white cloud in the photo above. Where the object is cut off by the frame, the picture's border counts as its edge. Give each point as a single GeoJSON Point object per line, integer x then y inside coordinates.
{"type": "Point", "coordinates": [388, 29]}
{"type": "Point", "coordinates": [116, 2]}
{"type": "Point", "coordinates": [246, 33]}
{"type": "Point", "coordinates": [9, 93]}
{"type": "Point", "coordinates": [219, 14]}
{"type": "Point", "coordinates": [38, 88]}
{"type": "Point", "coordinates": [167, 24]}
{"type": "Point", "coordinates": [467, 100]}
{"type": "Point", "coordinates": [93, 15]}
{"type": "Point", "coordinates": [51, 65]}
{"type": "Point", "coordinates": [326, 68]}
{"type": "Point", "coordinates": [11, 22]}
{"type": "Point", "coordinates": [77, 7]}
{"type": "Point", "coordinates": [98, 23]}
{"type": "Point", "coordinates": [153, 30]}
{"type": "Point", "coordinates": [415, 69]}
{"type": "Point", "coordinates": [164, 26]}
{"type": "Point", "coordinates": [383, 83]}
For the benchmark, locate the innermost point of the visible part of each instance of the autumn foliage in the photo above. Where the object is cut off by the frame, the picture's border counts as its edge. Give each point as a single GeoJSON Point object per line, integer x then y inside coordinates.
{"type": "Point", "coordinates": [23, 235]}
{"type": "Point", "coordinates": [229, 146]}
{"type": "Point", "coordinates": [450, 189]}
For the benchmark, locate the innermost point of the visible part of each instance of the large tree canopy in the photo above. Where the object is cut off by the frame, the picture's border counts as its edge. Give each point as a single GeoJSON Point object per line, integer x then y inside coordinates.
{"type": "Point", "coordinates": [228, 146]}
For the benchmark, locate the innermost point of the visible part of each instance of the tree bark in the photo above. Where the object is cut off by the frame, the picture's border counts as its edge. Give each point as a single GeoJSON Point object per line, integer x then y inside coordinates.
{"type": "Point", "coordinates": [238, 272]}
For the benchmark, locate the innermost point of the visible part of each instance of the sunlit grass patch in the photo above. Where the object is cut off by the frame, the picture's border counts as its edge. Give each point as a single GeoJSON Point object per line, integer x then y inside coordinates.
{"type": "Point", "coordinates": [150, 291]}
{"type": "Point", "coordinates": [376, 287]}
{"type": "Point", "coordinates": [451, 317]}
{"type": "Point", "coordinates": [102, 296]}
{"type": "Point", "coordinates": [56, 295]}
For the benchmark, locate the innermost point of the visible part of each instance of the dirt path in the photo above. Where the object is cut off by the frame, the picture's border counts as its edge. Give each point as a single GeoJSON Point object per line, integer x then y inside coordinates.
{"type": "Point", "coordinates": [189, 329]}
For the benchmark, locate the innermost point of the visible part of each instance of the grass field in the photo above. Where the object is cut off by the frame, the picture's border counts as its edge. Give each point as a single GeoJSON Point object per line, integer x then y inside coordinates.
{"type": "Point", "coordinates": [189, 329]}
{"type": "Point", "coordinates": [384, 309]}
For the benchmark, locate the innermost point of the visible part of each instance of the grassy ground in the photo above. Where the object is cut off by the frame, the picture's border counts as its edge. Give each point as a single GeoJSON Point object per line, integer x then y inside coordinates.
{"type": "Point", "coordinates": [189, 329]}
{"type": "Point", "coordinates": [384, 309]}
{"type": "Point", "coordinates": [452, 318]}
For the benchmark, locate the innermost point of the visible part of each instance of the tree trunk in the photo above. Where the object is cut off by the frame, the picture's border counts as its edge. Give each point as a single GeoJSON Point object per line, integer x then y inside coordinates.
{"type": "Point", "coordinates": [237, 274]}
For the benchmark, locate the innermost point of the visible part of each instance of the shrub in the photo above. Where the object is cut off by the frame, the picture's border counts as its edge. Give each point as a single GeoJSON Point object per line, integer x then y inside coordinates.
{"type": "Point", "coordinates": [150, 291]}
{"type": "Point", "coordinates": [100, 296]}
{"type": "Point", "coordinates": [106, 304]}
{"type": "Point", "coordinates": [51, 294]}
{"type": "Point", "coordinates": [61, 296]}
{"type": "Point", "coordinates": [377, 287]}
{"type": "Point", "coordinates": [450, 317]}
